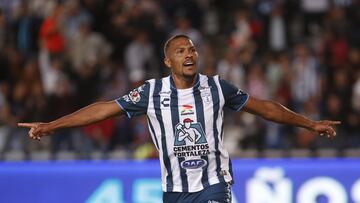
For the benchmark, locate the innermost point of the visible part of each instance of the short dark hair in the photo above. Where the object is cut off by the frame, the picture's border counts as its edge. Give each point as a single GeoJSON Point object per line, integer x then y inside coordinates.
{"type": "Point", "coordinates": [168, 42]}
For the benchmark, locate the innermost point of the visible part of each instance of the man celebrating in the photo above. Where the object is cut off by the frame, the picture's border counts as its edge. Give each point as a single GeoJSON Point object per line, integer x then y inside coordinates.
{"type": "Point", "coordinates": [210, 175]}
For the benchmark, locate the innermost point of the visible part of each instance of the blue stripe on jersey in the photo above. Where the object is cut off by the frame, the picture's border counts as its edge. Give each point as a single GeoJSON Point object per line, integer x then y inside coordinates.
{"type": "Point", "coordinates": [200, 118]}
{"type": "Point", "coordinates": [156, 97]}
{"type": "Point", "coordinates": [230, 163]}
{"type": "Point", "coordinates": [153, 134]}
{"type": "Point", "coordinates": [230, 170]}
{"type": "Point", "coordinates": [222, 131]}
{"type": "Point", "coordinates": [216, 106]}
{"type": "Point", "coordinates": [175, 120]}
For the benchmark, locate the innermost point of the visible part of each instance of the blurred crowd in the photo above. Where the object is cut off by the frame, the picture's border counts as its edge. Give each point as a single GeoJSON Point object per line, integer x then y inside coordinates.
{"type": "Point", "coordinates": [57, 56]}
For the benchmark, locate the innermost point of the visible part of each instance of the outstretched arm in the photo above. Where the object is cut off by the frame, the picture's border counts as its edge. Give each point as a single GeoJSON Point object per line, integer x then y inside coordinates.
{"type": "Point", "coordinates": [90, 114]}
{"type": "Point", "coordinates": [276, 112]}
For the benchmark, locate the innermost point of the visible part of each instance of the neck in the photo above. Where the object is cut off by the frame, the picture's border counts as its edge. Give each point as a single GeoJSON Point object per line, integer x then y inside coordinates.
{"type": "Point", "coordinates": [182, 82]}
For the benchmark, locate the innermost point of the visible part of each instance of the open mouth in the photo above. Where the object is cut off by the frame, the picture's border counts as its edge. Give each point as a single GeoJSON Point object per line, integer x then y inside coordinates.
{"type": "Point", "coordinates": [189, 62]}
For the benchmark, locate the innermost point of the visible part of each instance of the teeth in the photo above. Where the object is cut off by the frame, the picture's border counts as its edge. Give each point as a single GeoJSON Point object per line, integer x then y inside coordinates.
{"type": "Point", "coordinates": [188, 63]}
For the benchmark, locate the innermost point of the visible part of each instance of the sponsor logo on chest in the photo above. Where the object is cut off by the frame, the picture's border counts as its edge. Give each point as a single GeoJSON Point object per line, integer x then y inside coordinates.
{"type": "Point", "coordinates": [186, 110]}
{"type": "Point", "coordinates": [193, 163]}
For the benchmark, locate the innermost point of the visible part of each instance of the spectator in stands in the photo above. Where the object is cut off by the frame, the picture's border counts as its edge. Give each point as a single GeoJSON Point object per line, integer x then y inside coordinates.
{"type": "Point", "coordinates": [305, 76]}
{"type": "Point", "coordinates": [51, 33]}
{"type": "Point", "coordinates": [140, 59]}
{"type": "Point", "coordinates": [229, 68]}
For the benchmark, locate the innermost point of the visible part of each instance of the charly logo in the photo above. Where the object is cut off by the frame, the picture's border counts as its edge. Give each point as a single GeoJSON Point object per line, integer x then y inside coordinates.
{"type": "Point", "coordinates": [193, 163]}
{"type": "Point", "coordinates": [189, 133]}
{"type": "Point", "coordinates": [165, 95]}
{"type": "Point", "coordinates": [165, 102]}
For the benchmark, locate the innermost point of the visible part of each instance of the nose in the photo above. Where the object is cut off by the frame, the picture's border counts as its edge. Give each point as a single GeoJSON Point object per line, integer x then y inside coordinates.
{"type": "Point", "coordinates": [189, 54]}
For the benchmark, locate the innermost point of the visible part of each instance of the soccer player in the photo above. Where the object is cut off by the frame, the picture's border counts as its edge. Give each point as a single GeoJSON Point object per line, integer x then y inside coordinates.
{"type": "Point", "coordinates": [185, 117]}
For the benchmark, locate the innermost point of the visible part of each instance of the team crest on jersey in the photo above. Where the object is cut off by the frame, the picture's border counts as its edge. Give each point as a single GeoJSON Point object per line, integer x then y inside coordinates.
{"type": "Point", "coordinates": [189, 132]}
{"type": "Point", "coordinates": [205, 93]}
{"type": "Point", "coordinates": [206, 97]}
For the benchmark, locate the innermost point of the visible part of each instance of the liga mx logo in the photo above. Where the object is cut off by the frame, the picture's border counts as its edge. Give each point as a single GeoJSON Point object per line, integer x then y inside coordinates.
{"type": "Point", "coordinates": [189, 133]}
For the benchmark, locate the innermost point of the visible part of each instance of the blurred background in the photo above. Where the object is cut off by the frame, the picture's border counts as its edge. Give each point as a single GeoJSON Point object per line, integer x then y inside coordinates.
{"type": "Point", "coordinates": [58, 56]}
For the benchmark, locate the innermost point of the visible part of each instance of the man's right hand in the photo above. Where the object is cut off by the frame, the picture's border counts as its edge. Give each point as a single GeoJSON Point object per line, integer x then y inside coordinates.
{"type": "Point", "coordinates": [90, 114]}
{"type": "Point", "coordinates": [37, 130]}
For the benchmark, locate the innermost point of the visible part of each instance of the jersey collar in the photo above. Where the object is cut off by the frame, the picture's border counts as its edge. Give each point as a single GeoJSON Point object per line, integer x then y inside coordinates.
{"type": "Point", "coordinates": [197, 82]}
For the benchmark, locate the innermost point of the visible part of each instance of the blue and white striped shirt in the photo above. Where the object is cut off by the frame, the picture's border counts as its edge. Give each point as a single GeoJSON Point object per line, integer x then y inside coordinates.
{"type": "Point", "coordinates": [186, 126]}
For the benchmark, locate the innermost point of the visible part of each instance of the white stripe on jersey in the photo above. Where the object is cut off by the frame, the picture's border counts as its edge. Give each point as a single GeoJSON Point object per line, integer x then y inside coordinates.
{"type": "Point", "coordinates": [210, 131]}
{"type": "Point", "coordinates": [152, 118]}
{"type": "Point", "coordinates": [169, 133]}
{"type": "Point", "coordinates": [193, 177]}
{"type": "Point", "coordinates": [224, 153]}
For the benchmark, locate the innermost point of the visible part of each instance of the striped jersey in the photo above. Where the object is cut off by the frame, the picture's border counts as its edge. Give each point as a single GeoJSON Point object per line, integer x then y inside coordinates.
{"type": "Point", "coordinates": [186, 126]}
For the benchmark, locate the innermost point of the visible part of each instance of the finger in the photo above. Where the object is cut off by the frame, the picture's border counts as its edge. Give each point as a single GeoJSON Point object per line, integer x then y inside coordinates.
{"type": "Point", "coordinates": [32, 136]}
{"type": "Point", "coordinates": [27, 125]}
{"type": "Point", "coordinates": [331, 132]}
{"type": "Point", "coordinates": [31, 132]}
{"type": "Point", "coordinates": [333, 122]}
{"type": "Point", "coordinates": [37, 132]}
{"type": "Point", "coordinates": [36, 138]}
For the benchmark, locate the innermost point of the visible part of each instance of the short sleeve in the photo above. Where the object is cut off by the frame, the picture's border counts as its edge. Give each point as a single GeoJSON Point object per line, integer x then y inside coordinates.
{"type": "Point", "coordinates": [235, 98]}
{"type": "Point", "coordinates": [136, 101]}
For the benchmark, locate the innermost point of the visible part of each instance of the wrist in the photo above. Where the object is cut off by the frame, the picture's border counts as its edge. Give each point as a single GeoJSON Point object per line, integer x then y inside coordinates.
{"type": "Point", "coordinates": [52, 126]}
{"type": "Point", "coordinates": [311, 125]}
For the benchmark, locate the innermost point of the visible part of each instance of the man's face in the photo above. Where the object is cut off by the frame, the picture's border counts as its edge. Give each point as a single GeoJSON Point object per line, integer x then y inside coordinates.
{"type": "Point", "coordinates": [182, 58]}
{"type": "Point", "coordinates": [187, 125]}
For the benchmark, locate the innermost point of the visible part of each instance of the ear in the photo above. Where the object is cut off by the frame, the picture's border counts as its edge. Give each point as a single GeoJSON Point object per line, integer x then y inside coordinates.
{"type": "Point", "coordinates": [167, 62]}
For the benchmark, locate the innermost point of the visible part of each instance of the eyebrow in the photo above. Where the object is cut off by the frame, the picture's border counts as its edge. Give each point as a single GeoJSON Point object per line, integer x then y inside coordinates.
{"type": "Point", "coordinates": [184, 47]}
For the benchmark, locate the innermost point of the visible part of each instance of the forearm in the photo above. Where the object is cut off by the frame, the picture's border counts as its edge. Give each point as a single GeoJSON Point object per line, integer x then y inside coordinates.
{"type": "Point", "coordinates": [90, 114]}
{"type": "Point", "coordinates": [278, 113]}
